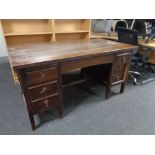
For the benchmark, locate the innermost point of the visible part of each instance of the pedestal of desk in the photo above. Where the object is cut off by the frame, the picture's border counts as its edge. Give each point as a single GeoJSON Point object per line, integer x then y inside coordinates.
{"type": "Point", "coordinates": [111, 74]}
{"type": "Point", "coordinates": [119, 72]}
{"type": "Point", "coordinates": [41, 88]}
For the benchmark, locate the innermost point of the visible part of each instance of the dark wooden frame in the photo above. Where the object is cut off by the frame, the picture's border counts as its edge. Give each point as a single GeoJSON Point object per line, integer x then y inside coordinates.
{"type": "Point", "coordinates": [101, 52]}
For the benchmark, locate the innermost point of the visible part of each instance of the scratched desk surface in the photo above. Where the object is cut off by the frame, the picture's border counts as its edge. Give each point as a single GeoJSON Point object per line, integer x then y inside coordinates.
{"type": "Point", "coordinates": [28, 54]}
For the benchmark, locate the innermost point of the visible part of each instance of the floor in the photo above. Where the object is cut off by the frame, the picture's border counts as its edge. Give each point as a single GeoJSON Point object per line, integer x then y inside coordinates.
{"type": "Point", "coordinates": [86, 110]}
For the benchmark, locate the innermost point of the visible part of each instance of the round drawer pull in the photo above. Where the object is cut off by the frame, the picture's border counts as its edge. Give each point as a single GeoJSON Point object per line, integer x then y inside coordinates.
{"type": "Point", "coordinates": [44, 89]}
{"type": "Point", "coordinates": [46, 103]}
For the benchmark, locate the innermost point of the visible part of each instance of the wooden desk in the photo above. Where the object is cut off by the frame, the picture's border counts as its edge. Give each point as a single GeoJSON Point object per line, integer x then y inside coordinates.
{"type": "Point", "coordinates": [40, 66]}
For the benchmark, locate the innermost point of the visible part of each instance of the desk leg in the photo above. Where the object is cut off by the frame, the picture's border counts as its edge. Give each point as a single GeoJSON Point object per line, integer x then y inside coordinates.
{"type": "Point", "coordinates": [60, 110]}
{"type": "Point", "coordinates": [60, 107]}
{"type": "Point", "coordinates": [26, 97]}
{"type": "Point", "coordinates": [108, 82]}
{"type": "Point", "coordinates": [31, 117]}
{"type": "Point", "coordinates": [122, 88]}
{"type": "Point", "coordinates": [108, 91]}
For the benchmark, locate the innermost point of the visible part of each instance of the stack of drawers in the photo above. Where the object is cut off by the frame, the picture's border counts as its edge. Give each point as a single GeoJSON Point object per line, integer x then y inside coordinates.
{"type": "Point", "coordinates": [119, 72]}
{"type": "Point", "coordinates": [42, 89]}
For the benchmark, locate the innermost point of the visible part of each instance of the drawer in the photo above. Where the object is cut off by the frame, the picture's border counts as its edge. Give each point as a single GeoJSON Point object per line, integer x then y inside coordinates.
{"type": "Point", "coordinates": [43, 90]}
{"type": "Point", "coordinates": [123, 58]}
{"type": "Point", "coordinates": [41, 76]}
{"type": "Point", "coordinates": [86, 62]}
{"type": "Point", "coordinates": [117, 77]}
{"type": "Point", "coordinates": [118, 67]}
{"type": "Point", "coordinates": [45, 104]}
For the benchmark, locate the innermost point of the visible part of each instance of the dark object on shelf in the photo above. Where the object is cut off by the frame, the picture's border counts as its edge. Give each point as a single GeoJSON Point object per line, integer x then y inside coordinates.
{"type": "Point", "coordinates": [120, 23]}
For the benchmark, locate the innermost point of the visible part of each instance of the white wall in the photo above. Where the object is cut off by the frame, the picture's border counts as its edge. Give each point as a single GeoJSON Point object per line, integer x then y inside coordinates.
{"type": "Point", "coordinates": [3, 51]}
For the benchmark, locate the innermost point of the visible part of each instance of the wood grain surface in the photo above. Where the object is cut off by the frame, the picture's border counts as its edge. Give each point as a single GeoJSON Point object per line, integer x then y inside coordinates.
{"type": "Point", "coordinates": [29, 54]}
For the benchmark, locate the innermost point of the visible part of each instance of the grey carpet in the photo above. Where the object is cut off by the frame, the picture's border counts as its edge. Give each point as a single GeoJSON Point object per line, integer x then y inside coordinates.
{"type": "Point", "coordinates": [86, 110]}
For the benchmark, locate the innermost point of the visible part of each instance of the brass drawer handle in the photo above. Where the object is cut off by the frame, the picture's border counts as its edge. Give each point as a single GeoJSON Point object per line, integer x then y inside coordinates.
{"type": "Point", "coordinates": [44, 89]}
{"type": "Point", "coordinates": [124, 59]}
{"type": "Point", "coordinates": [117, 77]}
{"type": "Point", "coordinates": [46, 103]}
{"type": "Point", "coordinates": [42, 75]}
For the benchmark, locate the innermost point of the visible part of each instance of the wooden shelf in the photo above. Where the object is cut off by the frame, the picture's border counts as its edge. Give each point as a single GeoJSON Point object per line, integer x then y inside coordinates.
{"type": "Point", "coordinates": [26, 25]}
{"type": "Point", "coordinates": [71, 36]}
{"type": "Point", "coordinates": [72, 25]}
{"type": "Point", "coordinates": [80, 31]}
{"type": "Point", "coordinates": [24, 39]}
{"type": "Point", "coordinates": [22, 34]}
{"type": "Point", "coordinates": [22, 31]}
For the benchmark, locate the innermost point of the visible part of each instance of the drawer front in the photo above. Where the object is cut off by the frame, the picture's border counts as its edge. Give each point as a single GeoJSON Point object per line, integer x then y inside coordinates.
{"type": "Point", "coordinates": [45, 104]}
{"type": "Point", "coordinates": [41, 76]}
{"type": "Point", "coordinates": [123, 58]}
{"type": "Point", "coordinates": [44, 90]}
{"type": "Point", "coordinates": [117, 77]}
{"type": "Point", "coordinates": [118, 68]}
{"type": "Point", "coordinates": [86, 62]}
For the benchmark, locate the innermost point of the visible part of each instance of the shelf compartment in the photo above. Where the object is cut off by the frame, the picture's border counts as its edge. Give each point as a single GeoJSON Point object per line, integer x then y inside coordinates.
{"type": "Point", "coordinates": [20, 31]}
{"type": "Point", "coordinates": [71, 25]}
{"type": "Point", "coordinates": [71, 36]}
{"type": "Point", "coordinates": [23, 39]}
{"type": "Point", "coordinates": [22, 34]}
{"type": "Point", "coordinates": [80, 31]}
{"type": "Point", "coordinates": [26, 26]}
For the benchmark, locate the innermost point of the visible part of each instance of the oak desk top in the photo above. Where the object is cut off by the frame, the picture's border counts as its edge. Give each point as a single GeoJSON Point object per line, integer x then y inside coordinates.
{"type": "Point", "coordinates": [29, 54]}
